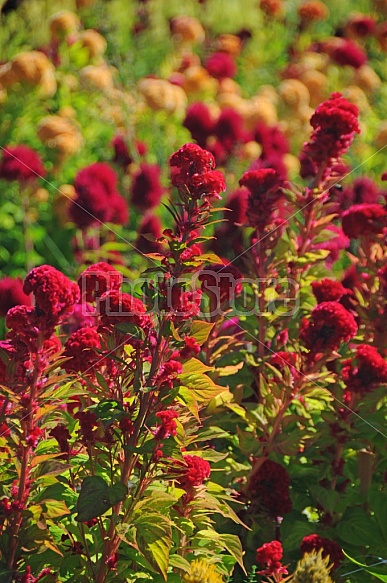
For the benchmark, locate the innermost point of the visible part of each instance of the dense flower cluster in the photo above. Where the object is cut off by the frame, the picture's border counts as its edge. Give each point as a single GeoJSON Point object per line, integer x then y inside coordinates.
{"type": "Point", "coordinates": [82, 350]}
{"type": "Point", "coordinates": [328, 290]}
{"type": "Point", "coordinates": [146, 190]}
{"type": "Point", "coordinates": [268, 489]}
{"type": "Point", "coordinates": [329, 548]}
{"type": "Point", "coordinates": [98, 279]}
{"type": "Point", "coordinates": [167, 425]}
{"type": "Point", "coordinates": [55, 295]}
{"type": "Point", "coordinates": [265, 192]}
{"type": "Point", "coordinates": [329, 326]}
{"type": "Point", "coordinates": [193, 170]}
{"type": "Point", "coordinates": [116, 307]}
{"type": "Point", "coordinates": [334, 123]}
{"type": "Point", "coordinates": [366, 370]}
{"type": "Point", "coordinates": [364, 219]}
{"type": "Point", "coordinates": [97, 199]}
{"type": "Point", "coordinates": [270, 555]}
{"type": "Point", "coordinates": [197, 471]}
{"type": "Point", "coordinates": [21, 163]}
{"type": "Point", "coordinates": [222, 282]}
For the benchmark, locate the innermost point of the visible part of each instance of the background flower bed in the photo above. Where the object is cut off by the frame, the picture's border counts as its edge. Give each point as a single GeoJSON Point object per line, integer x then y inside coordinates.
{"type": "Point", "coordinates": [294, 429]}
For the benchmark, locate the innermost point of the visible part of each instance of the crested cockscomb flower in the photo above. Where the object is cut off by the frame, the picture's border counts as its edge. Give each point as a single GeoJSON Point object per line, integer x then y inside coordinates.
{"type": "Point", "coordinates": [98, 199]}
{"type": "Point", "coordinates": [98, 279]}
{"type": "Point", "coordinates": [197, 470]}
{"type": "Point", "coordinates": [265, 191]}
{"type": "Point", "coordinates": [328, 547]}
{"type": "Point", "coordinates": [82, 350]}
{"type": "Point", "coordinates": [222, 282]}
{"type": "Point", "coordinates": [269, 555]}
{"type": "Point", "coordinates": [55, 295]}
{"type": "Point", "coordinates": [273, 141]}
{"type": "Point", "coordinates": [184, 304]}
{"type": "Point", "coordinates": [334, 123]}
{"type": "Point", "coordinates": [146, 189]}
{"type": "Point", "coordinates": [268, 489]}
{"type": "Point", "coordinates": [21, 163]}
{"type": "Point", "coordinates": [149, 231]}
{"type": "Point", "coordinates": [366, 370]}
{"type": "Point", "coordinates": [167, 424]}
{"type": "Point", "coordinates": [116, 307]}
{"type": "Point", "coordinates": [229, 128]}
{"type": "Point", "coordinates": [11, 294]}
{"type": "Point", "coordinates": [328, 290]}
{"type": "Point", "coordinates": [364, 219]}
{"type": "Point", "coordinates": [329, 326]}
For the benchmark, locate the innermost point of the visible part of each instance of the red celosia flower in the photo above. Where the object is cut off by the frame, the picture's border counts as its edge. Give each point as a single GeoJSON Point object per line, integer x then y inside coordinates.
{"type": "Point", "coordinates": [312, 10]}
{"type": "Point", "coordinates": [220, 65]}
{"type": "Point", "coordinates": [330, 325]}
{"type": "Point", "coordinates": [269, 489]}
{"type": "Point", "coordinates": [21, 163]}
{"type": "Point", "coordinates": [360, 25]}
{"type": "Point", "coordinates": [349, 53]}
{"type": "Point", "coordinates": [362, 191]}
{"type": "Point", "coordinates": [197, 471]}
{"type": "Point", "coordinates": [364, 219]}
{"type": "Point", "coordinates": [150, 226]}
{"type": "Point", "coordinates": [282, 359]}
{"type": "Point", "coordinates": [24, 325]}
{"type": "Point", "coordinates": [168, 372]}
{"type": "Point", "coordinates": [97, 197]}
{"type": "Point", "coordinates": [82, 348]}
{"type": "Point", "coordinates": [11, 294]}
{"type": "Point", "coordinates": [62, 435]}
{"type": "Point", "coordinates": [33, 436]}
{"type": "Point", "coordinates": [191, 348]}
{"type": "Point", "coordinates": [237, 205]}
{"type": "Point", "coordinates": [368, 369]}
{"type": "Point", "coordinates": [335, 244]}
{"type": "Point", "coordinates": [335, 123]}
{"type": "Point", "coordinates": [167, 425]}
{"type": "Point", "coordinates": [270, 555]}
{"type": "Point", "coordinates": [328, 290]}
{"type": "Point", "coordinates": [83, 316]}
{"type": "Point", "coordinates": [229, 128]}
{"type": "Point", "coordinates": [55, 295]}
{"type": "Point", "coordinates": [88, 424]}
{"type": "Point", "coordinates": [209, 184]}
{"type": "Point", "coordinates": [146, 190]}
{"type": "Point", "coordinates": [98, 279]}
{"type": "Point", "coordinates": [184, 304]}
{"type": "Point", "coordinates": [199, 122]}
{"type": "Point", "coordinates": [264, 186]}
{"type": "Point", "coordinates": [122, 156]}
{"type": "Point", "coordinates": [190, 159]}
{"type": "Point", "coordinates": [273, 141]}
{"type": "Point", "coordinates": [116, 307]}
{"type": "Point", "coordinates": [271, 7]}
{"type": "Point", "coordinates": [313, 542]}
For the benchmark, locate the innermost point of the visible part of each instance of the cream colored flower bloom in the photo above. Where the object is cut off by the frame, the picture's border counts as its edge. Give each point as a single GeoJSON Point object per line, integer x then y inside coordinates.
{"type": "Point", "coordinates": [202, 572]}
{"type": "Point", "coordinates": [97, 77]}
{"type": "Point", "coordinates": [294, 93]}
{"type": "Point", "coordinates": [366, 78]}
{"type": "Point", "coordinates": [160, 94]}
{"type": "Point", "coordinates": [93, 41]}
{"type": "Point", "coordinates": [60, 134]}
{"type": "Point", "coordinates": [187, 29]}
{"type": "Point", "coordinates": [30, 68]}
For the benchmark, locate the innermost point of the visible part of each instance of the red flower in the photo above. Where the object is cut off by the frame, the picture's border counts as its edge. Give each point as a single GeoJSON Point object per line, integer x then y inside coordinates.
{"type": "Point", "coordinates": [330, 325]}
{"type": "Point", "coordinates": [62, 435]}
{"type": "Point", "coordinates": [364, 219]}
{"type": "Point", "coordinates": [191, 348]}
{"type": "Point", "coordinates": [270, 555]}
{"type": "Point", "coordinates": [192, 171]}
{"type": "Point", "coordinates": [197, 471]}
{"type": "Point", "coordinates": [98, 279]}
{"type": "Point", "coordinates": [335, 123]}
{"type": "Point", "coordinates": [282, 359]}
{"type": "Point", "coordinates": [11, 294]}
{"type": "Point", "coordinates": [328, 290]}
{"type": "Point", "coordinates": [55, 295]}
{"type": "Point", "coordinates": [220, 65]}
{"type": "Point", "coordinates": [367, 369]}
{"type": "Point", "coordinates": [97, 197]}
{"type": "Point", "coordinates": [269, 489]}
{"type": "Point", "coordinates": [349, 53]}
{"type": "Point", "coordinates": [264, 186]}
{"type": "Point", "coordinates": [21, 163]}
{"type": "Point", "coordinates": [199, 122]}
{"type": "Point", "coordinates": [184, 304]}
{"type": "Point", "coordinates": [209, 184]}
{"type": "Point", "coordinates": [273, 141]}
{"type": "Point", "coordinates": [81, 349]}
{"type": "Point", "coordinates": [146, 190]}
{"type": "Point", "coordinates": [313, 542]}
{"type": "Point", "coordinates": [88, 424]}
{"type": "Point", "coordinates": [237, 205]}
{"type": "Point", "coordinates": [122, 156]}
{"type": "Point", "coordinates": [167, 425]}
{"type": "Point", "coordinates": [116, 307]}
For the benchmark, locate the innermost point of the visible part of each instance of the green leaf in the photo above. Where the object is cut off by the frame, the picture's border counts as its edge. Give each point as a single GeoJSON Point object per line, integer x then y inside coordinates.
{"type": "Point", "coordinates": [201, 330]}
{"type": "Point", "coordinates": [370, 570]}
{"type": "Point", "coordinates": [179, 562]}
{"type": "Point", "coordinates": [203, 388]}
{"type": "Point", "coordinates": [360, 529]}
{"type": "Point", "coordinates": [55, 508]}
{"type": "Point", "coordinates": [154, 540]}
{"type": "Point", "coordinates": [96, 498]}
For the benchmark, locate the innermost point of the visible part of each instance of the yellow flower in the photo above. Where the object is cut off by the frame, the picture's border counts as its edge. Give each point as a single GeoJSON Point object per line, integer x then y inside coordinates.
{"type": "Point", "coordinates": [202, 572]}
{"type": "Point", "coordinates": [187, 29]}
{"type": "Point", "coordinates": [294, 93]}
{"type": "Point", "coordinates": [161, 94]}
{"type": "Point", "coordinates": [366, 78]}
{"type": "Point", "coordinates": [60, 134]}
{"type": "Point", "coordinates": [29, 68]}
{"type": "Point", "coordinates": [93, 41]}
{"type": "Point", "coordinates": [229, 43]}
{"type": "Point", "coordinates": [312, 568]}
